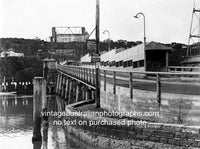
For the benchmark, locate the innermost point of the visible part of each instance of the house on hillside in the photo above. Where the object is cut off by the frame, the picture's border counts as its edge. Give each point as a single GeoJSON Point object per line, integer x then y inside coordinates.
{"type": "Point", "coordinates": [10, 53]}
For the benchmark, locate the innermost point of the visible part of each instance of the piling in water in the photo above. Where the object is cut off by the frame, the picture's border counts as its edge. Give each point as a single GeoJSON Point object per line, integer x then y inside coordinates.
{"type": "Point", "coordinates": [39, 105]}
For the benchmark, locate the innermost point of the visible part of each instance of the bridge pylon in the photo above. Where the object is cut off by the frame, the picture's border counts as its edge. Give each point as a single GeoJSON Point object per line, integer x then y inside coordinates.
{"type": "Point", "coordinates": [194, 35]}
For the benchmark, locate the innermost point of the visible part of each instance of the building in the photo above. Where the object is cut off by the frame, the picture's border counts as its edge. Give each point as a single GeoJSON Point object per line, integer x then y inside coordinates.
{"type": "Point", "coordinates": [69, 34]}
{"type": "Point", "coordinates": [154, 57]}
{"type": "Point", "coordinates": [193, 59]}
{"type": "Point", "coordinates": [11, 53]}
{"type": "Point", "coordinates": [67, 43]}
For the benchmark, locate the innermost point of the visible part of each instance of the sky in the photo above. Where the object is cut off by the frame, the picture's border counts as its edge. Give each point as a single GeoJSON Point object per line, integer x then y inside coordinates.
{"type": "Point", "coordinates": [166, 20]}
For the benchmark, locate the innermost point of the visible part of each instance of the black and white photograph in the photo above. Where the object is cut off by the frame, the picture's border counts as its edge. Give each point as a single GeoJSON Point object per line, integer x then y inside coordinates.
{"type": "Point", "coordinates": [99, 74]}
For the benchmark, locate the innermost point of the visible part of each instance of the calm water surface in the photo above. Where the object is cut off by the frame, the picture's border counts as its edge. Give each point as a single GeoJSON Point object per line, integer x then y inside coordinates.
{"type": "Point", "coordinates": [16, 129]}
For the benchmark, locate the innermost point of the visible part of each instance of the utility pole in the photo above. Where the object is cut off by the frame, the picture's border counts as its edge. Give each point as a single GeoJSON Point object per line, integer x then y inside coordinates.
{"type": "Point", "coordinates": [97, 93]}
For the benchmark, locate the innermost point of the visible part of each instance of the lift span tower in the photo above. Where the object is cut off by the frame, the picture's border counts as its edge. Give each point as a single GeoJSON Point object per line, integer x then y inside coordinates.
{"type": "Point", "coordinates": [193, 50]}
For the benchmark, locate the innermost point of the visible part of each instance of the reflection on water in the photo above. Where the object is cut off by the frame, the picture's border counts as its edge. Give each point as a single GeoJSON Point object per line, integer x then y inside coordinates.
{"type": "Point", "coordinates": [16, 119]}
{"type": "Point", "coordinates": [15, 115]}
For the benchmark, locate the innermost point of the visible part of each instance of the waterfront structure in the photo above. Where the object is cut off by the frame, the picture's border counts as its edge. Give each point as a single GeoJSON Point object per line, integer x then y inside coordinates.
{"type": "Point", "coordinates": [69, 34]}
{"type": "Point", "coordinates": [128, 92]}
{"type": "Point", "coordinates": [193, 59]}
{"type": "Point", "coordinates": [172, 96]}
{"type": "Point", "coordinates": [67, 43]}
{"type": "Point", "coordinates": [49, 72]}
{"type": "Point", "coordinates": [11, 53]}
{"type": "Point", "coordinates": [170, 93]}
{"type": "Point", "coordinates": [133, 58]}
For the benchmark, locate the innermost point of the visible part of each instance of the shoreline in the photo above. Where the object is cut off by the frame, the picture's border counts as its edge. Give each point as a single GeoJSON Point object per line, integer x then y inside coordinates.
{"type": "Point", "coordinates": [8, 93]}
{"type": "Point", "coordinates": [171, 136]}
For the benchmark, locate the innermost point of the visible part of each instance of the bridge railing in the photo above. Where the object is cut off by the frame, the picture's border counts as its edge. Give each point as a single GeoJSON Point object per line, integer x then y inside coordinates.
{"type": "Point", "coordinates": [84, 74]}
{"type": "Point", "coordinates": [150, 77]}
{"type": "Point", "coordinates": [126, 78]}
{"type": "Point", "coordinates": [187, 83]}
{"type": "Point", "coordinates": [182, 69]}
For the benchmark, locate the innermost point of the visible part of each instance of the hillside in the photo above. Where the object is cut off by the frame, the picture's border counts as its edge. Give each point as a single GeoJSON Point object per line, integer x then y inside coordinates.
{"type": "Point", "coordinates": [20, 68]}
{"type": "Point", "coordinates": [29, 47]}
{"type": "Point", "coordinates": [25, 68]}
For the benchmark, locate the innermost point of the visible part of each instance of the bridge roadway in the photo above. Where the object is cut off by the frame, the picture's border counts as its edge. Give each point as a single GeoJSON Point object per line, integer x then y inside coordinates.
{"type": "Point", "coordinates": [170, 82]}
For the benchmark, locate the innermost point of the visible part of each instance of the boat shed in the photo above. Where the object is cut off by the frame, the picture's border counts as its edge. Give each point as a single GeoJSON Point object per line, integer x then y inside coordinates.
{"type": "Point", "coordinates": [156, 56]}
{"type": "Point", "coordinates": [152, 57]}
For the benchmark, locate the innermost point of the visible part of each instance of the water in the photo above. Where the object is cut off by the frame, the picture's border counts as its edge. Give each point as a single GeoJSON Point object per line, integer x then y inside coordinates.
{"type": "Point", "coordinates": [16, 129]}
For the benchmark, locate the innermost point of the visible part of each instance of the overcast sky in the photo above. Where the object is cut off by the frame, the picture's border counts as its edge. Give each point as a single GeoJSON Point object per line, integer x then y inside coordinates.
{"type": "Point", "coordinates": [166, 20]}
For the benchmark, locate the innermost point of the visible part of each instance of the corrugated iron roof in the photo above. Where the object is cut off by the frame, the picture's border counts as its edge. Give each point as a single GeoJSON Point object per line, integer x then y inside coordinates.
{"type": "Point", "coordinates": [49, 60]}
{"type": "Point", "coordinates": [156, 46]}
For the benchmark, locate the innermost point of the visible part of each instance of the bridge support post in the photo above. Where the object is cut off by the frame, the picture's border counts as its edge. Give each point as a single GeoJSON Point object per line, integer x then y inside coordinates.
{"type": "Point", "coordinates": [63, 87]}
{"type": "Point", "coordinates": [93, 94]}
{"type": "Point", "coordinates": [158, 90]}
{"type": "Point", "coordinates": [83, 92]}
{"type": "Point", "coordinates": [93, 77]}
{"type": "Point", "coordinates": [77, 92]}
{"type": "Point", "coordinates": [90, 94]}
{"type": "Point", "coordinates": [66, 88]}
{"type": "Point", "coordinates": [74, 91]}
{"type": "Point", "coordinates": [70, 91]}
{"type": "Point", "coordinates": [90, 76]}
{"type": "Point", "coordinates": [87, 94]}
{"type": "Point", "coordinates": [60, 83]}
{"type": "Point", "coordinates": [57, 84]}
{"type": "Point", "coordinates": [39, 105]}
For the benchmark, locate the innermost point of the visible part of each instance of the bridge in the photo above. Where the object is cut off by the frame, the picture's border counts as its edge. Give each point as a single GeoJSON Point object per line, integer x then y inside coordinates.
{"type": "Point", "coordinates": [174, 94]}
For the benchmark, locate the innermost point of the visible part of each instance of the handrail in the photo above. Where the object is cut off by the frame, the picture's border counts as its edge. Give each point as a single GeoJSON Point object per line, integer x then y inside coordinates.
{"type": "Point", "coordinates": [87, 76]}
{"type": "Point", "coordinates": [127, 79]}
{"type": "Point", "coordinates": [195, 67]}
{"type": "Point", "coordinates": [182, 69]}
{"type": "Point", "coordinates": [137, 72]}
{"type": "Point", "coordinates": [156, 72]}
